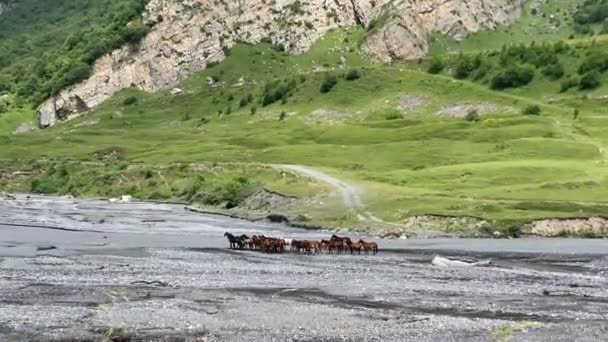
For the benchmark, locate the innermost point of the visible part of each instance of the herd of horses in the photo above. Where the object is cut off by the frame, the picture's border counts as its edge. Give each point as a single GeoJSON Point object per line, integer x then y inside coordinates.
{"type": "Point", "coordinates": [335, 244]}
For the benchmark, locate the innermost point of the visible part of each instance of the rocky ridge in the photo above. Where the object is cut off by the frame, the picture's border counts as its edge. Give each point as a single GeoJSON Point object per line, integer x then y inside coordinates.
{"type": "Point", "coordinates": [187, 35]}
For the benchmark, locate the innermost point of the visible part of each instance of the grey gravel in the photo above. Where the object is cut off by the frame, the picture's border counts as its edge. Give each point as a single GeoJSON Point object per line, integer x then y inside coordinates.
{"type": "Point", "coordinates": [97, 279]}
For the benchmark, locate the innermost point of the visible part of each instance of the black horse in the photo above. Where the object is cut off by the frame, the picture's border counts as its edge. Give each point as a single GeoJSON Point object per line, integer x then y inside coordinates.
{"type": "Point", "coordinates": [236, 242]}
{"type": "Point", "coordinates": [243, 241]}
{"type": "Point", "coordinates": [233, 240]}
{"type": "Point", "coordinates": [340, 239]}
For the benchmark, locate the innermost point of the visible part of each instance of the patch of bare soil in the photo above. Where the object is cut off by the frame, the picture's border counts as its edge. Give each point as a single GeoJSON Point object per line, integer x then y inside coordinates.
{"type": "Point", "coordinates": [267, 200]}
{"type": "Point", "coordinates": [109, 154]}
{"type": "Point", "coordinates": [328, 116]}
{"type": "Point", "coordinates": [591, 227]}
{"type": "Point", "coordinates": [462, 109]}
{"type": "Point", "coordinates": [411, 103]}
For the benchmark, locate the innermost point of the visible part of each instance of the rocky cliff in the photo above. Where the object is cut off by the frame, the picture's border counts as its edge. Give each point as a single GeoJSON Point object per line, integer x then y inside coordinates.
{"type": "Point", "coordinates": [187, 35]}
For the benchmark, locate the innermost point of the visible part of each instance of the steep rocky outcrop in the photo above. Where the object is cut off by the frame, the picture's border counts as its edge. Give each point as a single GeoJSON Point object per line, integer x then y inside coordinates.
{"type": "Point", "coordinates": [187, 35]}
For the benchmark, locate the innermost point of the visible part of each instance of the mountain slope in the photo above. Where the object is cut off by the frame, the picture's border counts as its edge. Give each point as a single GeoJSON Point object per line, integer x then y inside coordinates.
{"type": "Point", "coordinates": [490, 139]}
{"type": "Point", "coordinates": [186, 36]}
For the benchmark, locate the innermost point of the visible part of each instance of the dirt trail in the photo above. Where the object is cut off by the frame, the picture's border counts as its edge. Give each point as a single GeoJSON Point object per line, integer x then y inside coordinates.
{"type": "Point", "coordinates": [351, 196]}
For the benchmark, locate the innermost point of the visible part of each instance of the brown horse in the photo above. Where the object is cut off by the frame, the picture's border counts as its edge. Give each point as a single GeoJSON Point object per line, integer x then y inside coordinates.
{"type": "Point", "coordinates": [334, 245]}
{"type": "Point", "coordinates": [297, 246]}
{"type": "Point", "coordinates": [369, 246]}
{"type": "Point", "coordinates": [355, 247]}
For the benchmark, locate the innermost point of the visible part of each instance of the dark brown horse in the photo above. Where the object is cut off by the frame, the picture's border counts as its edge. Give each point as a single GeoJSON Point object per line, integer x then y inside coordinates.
{"type": "Point", "coordinates": [355, 247]}
{"type": "Point", "coordinates": [369, 247]}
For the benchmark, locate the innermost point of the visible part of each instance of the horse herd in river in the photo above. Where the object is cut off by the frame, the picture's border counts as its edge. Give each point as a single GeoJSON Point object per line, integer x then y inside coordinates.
{"type": "Point", "coordinates": [335, 244]}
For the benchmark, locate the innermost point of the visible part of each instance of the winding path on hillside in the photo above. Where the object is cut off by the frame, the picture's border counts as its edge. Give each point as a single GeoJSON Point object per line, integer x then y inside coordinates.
{"type": "Point", "coordinates": [351, 196]}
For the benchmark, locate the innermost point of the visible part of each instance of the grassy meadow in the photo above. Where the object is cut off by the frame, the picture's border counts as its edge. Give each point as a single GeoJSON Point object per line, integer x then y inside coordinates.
{"type": "Point", "coordinates": [415, 143]}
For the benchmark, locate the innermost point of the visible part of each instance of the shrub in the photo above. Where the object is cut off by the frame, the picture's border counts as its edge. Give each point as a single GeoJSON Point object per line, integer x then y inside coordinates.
{"type": "Point", "coordinates": [135, 32]}
{"type": "Point", "coordinates": [393, 115]}
{"type": "Point", "coordinates": [129, 101]}
{"type": "Point", "coordinates": [437, 65]}
{"type": "Point", "coordinates": [328, 84]}
{"type": "Point", "coordinates": [568, 83]}
{"type": "Point", "coordinates": [513, 77]}
{"type": "Point", "coordinates": [472, 116]}
{"type": "Point", "coordinates": [531, 110]}
{"type": "Point", "coordinates": [590, 81]}
{"type": "Point", "coordinates": [277, 91]}
{"type": "Point", "coordinates": [282, 116]}
{"type": "Point", "coordinates": [596, 61]}
{"type": "Point", "coordinates": [353, 75]}
{"type": "Point", "coordinates": [466, 65]}
{"type": "Point", "coordinates": [553, 71]}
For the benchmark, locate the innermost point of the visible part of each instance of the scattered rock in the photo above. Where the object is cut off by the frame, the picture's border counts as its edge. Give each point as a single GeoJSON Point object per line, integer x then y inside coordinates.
{"type": "Point", "coordinates": [277, 218]}
{"type": "Point", "coordinates": [267, 200]}
{"type": "Point", "coordinates": [497, 235]}
{"type": "Point", "coordinates": [328, 116]}
{"type": "Point", "coordinates": [109, 154]}
{"type": "Point", "coordinates": [391, 235]}
{"type": "Point", "coordinates": [411, 103]}
{"type": "Point", "coordinates": [122, 199]}
{"type": "Point", "coordinates": [24, 128]}
{"type": "Point", "coordinates": [461, 110]}
{"type": "Point", "coordinates": [175, 91]}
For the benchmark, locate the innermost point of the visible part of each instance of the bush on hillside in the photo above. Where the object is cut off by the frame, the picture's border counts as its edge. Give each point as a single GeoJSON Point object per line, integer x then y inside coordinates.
{"type": "Point", "coordinates": [554, 71]}
{"type": "Point", "coordinates": [393, 115]}
{"type": "Point", "coordinates": [46, 46]}
{"type": "Point", "coordinates": [513, 77]}
{"type": "Point", "coordinates": [129, 101]}
{"type": "Point", "coordinates": [567, 84]}
{"type": "Point", "coordinates": [589, 81]}
{"type": "Point", "coordinates": [592, 12]}
{"type": "Point", "coordinates": [531, 110]}
{"type": "Point", "coordinates": [465, 65]}
{"type": "Point", "coordinates": [472, 116]}
{"type": "Point", "coordinates": [328, 84]}
{"type": "Point", "coordinates": [277, 91]}
{"type": "Point", "coordinates": [135, 32]}
{"type": "Point", "coordinates": [596, 61]}
{"type": "Point", "coordinates": [437, 65]}
{"type": "Point", "coordinates": [353, 75]}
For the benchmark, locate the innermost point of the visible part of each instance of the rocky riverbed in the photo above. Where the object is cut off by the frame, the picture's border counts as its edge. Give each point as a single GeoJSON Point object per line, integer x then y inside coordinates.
{"type": "Point", "coordinates": [88, 269]}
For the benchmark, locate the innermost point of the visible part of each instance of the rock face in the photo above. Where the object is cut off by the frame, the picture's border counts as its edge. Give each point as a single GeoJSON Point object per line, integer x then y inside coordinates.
{"type": "Point", "coordinates": [187, 35]}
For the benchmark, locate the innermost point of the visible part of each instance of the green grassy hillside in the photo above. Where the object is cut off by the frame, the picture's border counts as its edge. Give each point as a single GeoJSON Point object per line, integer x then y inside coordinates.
{"type": "Point", "coordinates": [446, 142]}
